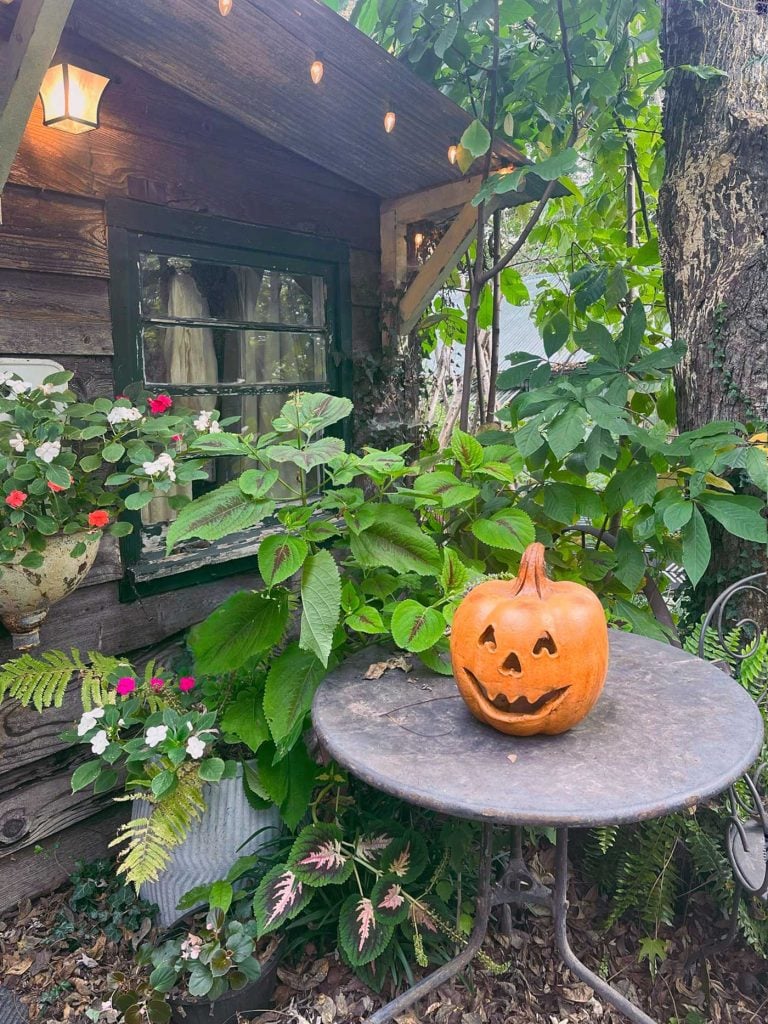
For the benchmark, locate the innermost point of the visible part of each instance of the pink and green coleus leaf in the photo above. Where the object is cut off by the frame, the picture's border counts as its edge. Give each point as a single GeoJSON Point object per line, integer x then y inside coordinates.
{"type": "Point", "coordinates": [405, 858]}
{"type": "Point", "coordinates": [279, 898]}
{"type": "Point", "coordinates": [362, 936]}
{"type": "Point", "coordinates": [371, 845]}
{"type": "Point", "coordinates": [390, 904]}
{"type": "Point", "coordinates": [318, 858]}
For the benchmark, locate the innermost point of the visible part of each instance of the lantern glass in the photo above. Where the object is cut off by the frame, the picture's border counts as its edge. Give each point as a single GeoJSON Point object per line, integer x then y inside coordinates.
{"type": "Point", "coordinates": [71, 98]}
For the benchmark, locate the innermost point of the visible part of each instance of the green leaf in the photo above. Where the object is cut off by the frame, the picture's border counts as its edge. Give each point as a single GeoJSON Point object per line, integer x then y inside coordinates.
{"type": "Point", "coordinates": [633, 332]}
{"type": "Point", "coordinates": [302, 776]}
{"type": "Point", "coordinates": [676, 514]}
{"type": "Point", "coordinates": [523, 365]}
{"type": "Point", "coordinates": [245, 718]}
{"type": "Point", "coordinates": [138, 499]}
{"type": "Point", "coordinates": [511, 529]}
{"type": "Point", "coordinates": [320, 604]}
{"type": "Point", "coordinates": [467, 450]}
{"type": "Point", "coordinates": [556, 332]}
{"type": "Point", "coordinates": [318, 856]}
{"type": "Point", "coordinates": [310, 455]}
{"type": "Point", "coordinates": [630, 562]}
{"type": "Point", "coordinates": [637, 484]}
{"type": "Point", "coordinates": [311, 412]}
{"type": "Point", "coordinates": [85, 774]}
{"type": "Point", "coordinates": [246, 624]}
{"type": "Point", "coordinates": [291, 683]}
{"type": "Point", "coordinates": [258, 482]}
{"type": "Point", "coordinates": [394, 539]}
{"type": "Point", "coordinates": [362, 936]}
{"type": "Point", "coordinates": [279, 898]}
{"type": "Point", "coordinates": [756, 464]}
{"type": "Point", "coordinates": [697, 549]}
{"type": "Point", "coordinates": [566, 432]}
{"type": "Point", "coordinates": [220, 895]}
{"type": "Point", "coordinates": [113, 452]}
{"type": "Point", "coordinates": [416, 628]}
{"type": "Point", "coordinates": [740, 514]}
{"type": "Point", "coordinates": [616, 287]}
{"type": "Point", "coordinates": [211, 769]}
{"type": "Point", "coordinates": [565, 503]}
{"type": "Point", "coordinates": [163, 782]}
{"type": "Point", "coordinates": [590, 284]}
{"type": "Point", "coordinates": [597, 339]}
{"type": "Point", "coordinates": [280, 557]}
{"type": "Point", "coordinates": [455, 575]}
{"type": "Point", "coordinates": [33, 560]}
{"type": "Point", "coordinates": [217, 514]}
{"type": "Point", "coordinates": [555, 166]}
{"type": "Point", "coordinates": [476, 139]}
{"type": "Point", "coordinates": [366, 620]}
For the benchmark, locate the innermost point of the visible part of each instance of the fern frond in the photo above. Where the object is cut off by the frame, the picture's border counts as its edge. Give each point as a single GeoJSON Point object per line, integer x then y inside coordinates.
{"type": "Point", "coordinates": [41, 681]}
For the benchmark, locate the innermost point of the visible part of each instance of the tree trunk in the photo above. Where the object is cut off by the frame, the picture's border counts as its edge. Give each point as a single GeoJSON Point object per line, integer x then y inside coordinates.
{"type": "Point", "coordinates": [713, 219]}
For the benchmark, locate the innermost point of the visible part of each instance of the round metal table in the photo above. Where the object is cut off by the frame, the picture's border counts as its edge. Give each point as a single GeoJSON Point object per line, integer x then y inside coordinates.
{"type": "Point", "coordinates": [668, 731]}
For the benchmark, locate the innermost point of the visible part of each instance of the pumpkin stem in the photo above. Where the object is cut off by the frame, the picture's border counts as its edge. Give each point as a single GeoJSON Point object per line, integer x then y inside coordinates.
{"type": "Point", "coordinates": [533, 572]}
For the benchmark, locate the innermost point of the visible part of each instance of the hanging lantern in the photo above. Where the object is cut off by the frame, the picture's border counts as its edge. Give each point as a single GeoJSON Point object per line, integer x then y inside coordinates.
{"type": "Point", "coordinates": [316, 71]}
{"type": "Point", "coordinates": [225, 6]}
{"type": "Point", "coordinates": [390, 119]}
{"type": "Point", "coordinates": [71, 98]}
{"type": "Point", "coordinates": [453, 152]}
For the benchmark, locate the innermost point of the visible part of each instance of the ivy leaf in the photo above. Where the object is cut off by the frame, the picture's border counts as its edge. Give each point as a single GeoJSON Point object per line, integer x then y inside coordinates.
{"type": "Point", "coordinates": [476, 139]}
{"type": "Point", "coordinates": [415, 628]}
{"type": "Point", "coordinates": [291, 682]}
{"type": "Point", "coordinates": [697, 549]}
{"type": "Point", "coordinates": [318, 858]}
{"type": "Point", "coordinates": [393, 539]}
{"type": "Point", "coordinates": [217, 514]}
{"type": "Point", "coordinates": [740, 514]}
{"type": "Point", "coordinates": [362, 936]}
{"type": "Point", "coordinates": [320, 604]}
{"type": "Point", "coordinates": [280, 557]}
{"type": "Point", "coordinates": [246, 624]}
{"type": "Point", "coordinates": [279, 898]}
{"type": "Point", "coordinates": [512, 530]}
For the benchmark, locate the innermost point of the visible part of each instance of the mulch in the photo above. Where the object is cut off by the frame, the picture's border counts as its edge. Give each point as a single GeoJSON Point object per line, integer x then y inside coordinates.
{"type": "Point", "coordinates": [59, 974]}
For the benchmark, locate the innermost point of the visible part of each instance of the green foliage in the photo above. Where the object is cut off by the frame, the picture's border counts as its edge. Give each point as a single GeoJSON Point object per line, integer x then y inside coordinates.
{"type": "Point", "coordinates": [42, 682]}
{"type": "Point", "coordinates": [103, 903]}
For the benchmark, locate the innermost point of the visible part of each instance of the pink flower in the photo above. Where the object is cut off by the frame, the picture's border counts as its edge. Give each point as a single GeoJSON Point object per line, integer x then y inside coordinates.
{"type": "Point", "coordinates": [156, 684]}
{"type": "Point", "coordinates": [186, 683]}
{"type": "Point", "coordinates": [56, 488]}
{"type": "Point", "coordinates": [160, 404]}
{"type": "Point", "coordinates": [16, 499]}
{"type": "Point", "coordinates": [98, 518]}
{"type": "Point", "coordinates": [126, 685]}
{"type": "Point", "coordinates": [178, 438]}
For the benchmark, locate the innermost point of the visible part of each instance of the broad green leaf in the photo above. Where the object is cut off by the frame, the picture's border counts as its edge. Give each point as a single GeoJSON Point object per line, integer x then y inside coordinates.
{"type": "Point", "coordinates": [476, 139]}
{"type": "Point", "coordinates": [302, 776]}
{"type": "Point", "coordinates": [513, 288]}
{"type": "Point", "coordinates": [320, 604]}
{"type": "Point", "coordinates": [630, 562]}
{"type": "Point", "coordinates": [220, 895]}
{"type": "Point", "coordinates": [455, 575]}
{"type": "Point", "coordinates": [246, 624]}
{"type": "Point", "coordinates": [366, 620]}
{"type": "Point", "coordinates": [245, 718]}
{"type": "Point", "coordinates": [310, 455]}
{"type": "Point", "coordinates": [616, 286]}
{"type": "Point", "coordinates": [565, 503]}
{"type": "Point", "coordinates": [362, 936]}
{"type": "Point", "coordinates": [211, 769]}
{"type": "Point", "coordinates": [676, 514]}
{"type": "Point", "coordinates": [113, 452]}
{"type": "Point", "coordinates": [394, 539]}
{"type": "Point", "coordinates": [566, 432]}
{"type": "Point", "coordinates": [633, 332]}
{"type": "Point", "coordinates": [555, 333]}
{"type": "Point", "coordinates": [416, 628]}
{"type": "Point", "coordinates": [555, 166]}
{"type": "Point", "coordinates": [756, 464]}
{"type": "Point", "coordinates": [523, 365]}
{"type": "Point", "coordinates": [280, 556]}
{"type": "Point", "coordinates": [529, 437]}
{"type": "Point", "coordinates": [467, 450]}
{"type": "Point", "coordinates": [597, 339]}
{"type": "Point", "coordinates": [279, 898]}
{"type": "Point", "coordinates": [217, 514]}
{"type": "Point", "coordinates": [697, 549]}
{"type": "Point", "coordinates": [637, 484]}
{"type": "Point", "coordinates": [447, 487]}
{"type": "Point", "coordinates": [511, 530]}
{"type": "Point", "coordinates": [257, 483]}
{"type": "Point", "coordinates": [85, 774]}
{"type": "Point", "coordinates": [589, 284]}
{"type": "Point", "coordinates": [740, 514]}
{"type": "Point", "coordinates": [138, 499]}
{"type": "Point", "coordinates": [292, 680]}
{"type": "Point", "coordinates": [311, 412]}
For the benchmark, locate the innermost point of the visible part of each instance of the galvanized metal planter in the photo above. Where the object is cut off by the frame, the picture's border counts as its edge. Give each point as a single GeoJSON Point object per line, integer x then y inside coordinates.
{"type": "Point", "coordinates": [27, 594]}
{"type": "Point", "coordinates": [212, 845]}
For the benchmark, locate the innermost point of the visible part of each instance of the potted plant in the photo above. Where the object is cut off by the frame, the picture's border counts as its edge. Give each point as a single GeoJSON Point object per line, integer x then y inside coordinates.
{"type": "Point", "coordinates": [59, 491]}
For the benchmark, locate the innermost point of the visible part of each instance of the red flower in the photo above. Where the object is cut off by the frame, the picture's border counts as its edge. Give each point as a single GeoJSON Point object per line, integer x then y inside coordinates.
{"type": "Point", "coordinates": [56, 488]}
{"type": "Point", "coordinates": [160, 404]}
{"type": "Point", "coordinates": [178, 438]}
{"type": "Point", "coordinates": [186, 683]}
{"type": "Point", "coordinates": [98, 518]}
{"type": "Point", "coordinates": [16, 499]}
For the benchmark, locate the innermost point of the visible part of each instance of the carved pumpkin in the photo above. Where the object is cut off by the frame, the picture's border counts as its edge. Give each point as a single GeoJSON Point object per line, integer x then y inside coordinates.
{"type": "Point", "coordinates": [530, 655]}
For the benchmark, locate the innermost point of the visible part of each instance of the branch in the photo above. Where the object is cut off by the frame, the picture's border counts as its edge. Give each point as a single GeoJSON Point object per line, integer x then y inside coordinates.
{"type": "Point", "coordinates": [632, 153]}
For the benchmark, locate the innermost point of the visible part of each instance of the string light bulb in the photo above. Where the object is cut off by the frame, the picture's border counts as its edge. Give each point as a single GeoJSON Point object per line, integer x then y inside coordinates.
{"type": "Point", "coordinates": [418, 240]}
{"type": "Point", "coordinates": [225, 6]}
{"type": "Point", "coordinates": [390, 120]}
{"type": "Point", "coordinates": [316, 71]}
{"type": "Point", "coordinates": [453, 152]}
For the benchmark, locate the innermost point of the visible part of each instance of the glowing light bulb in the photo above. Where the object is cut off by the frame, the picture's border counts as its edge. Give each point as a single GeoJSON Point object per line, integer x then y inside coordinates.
{"type": "Point", "coordinates": [390, 119]}
{"type": "Point", "coordinates": [225, 6]}
{"type": "Point", "coordinates": [316, 71]}
{"type": "Point", "coordinates": [453, 152]}
{"type": "Point", "coordinates": [418, 238]}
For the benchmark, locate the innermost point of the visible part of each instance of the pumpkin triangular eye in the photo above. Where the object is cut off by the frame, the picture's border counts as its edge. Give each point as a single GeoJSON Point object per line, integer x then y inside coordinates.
{"type": "Point", "coordinates": [488, 638]}
{"type": "Point", "coordinates": [545, 643]}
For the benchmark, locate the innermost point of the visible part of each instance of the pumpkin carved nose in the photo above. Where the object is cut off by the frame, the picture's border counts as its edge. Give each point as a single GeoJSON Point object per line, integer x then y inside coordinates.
{"type": "Point", "coordinates": [545, 643]}
{"type": "Point", "coordinates": [511, 665]}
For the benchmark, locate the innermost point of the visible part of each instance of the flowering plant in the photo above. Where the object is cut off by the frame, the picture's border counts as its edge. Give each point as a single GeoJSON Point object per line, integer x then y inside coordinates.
{"type": "Point", "coordinates": [59, 456]}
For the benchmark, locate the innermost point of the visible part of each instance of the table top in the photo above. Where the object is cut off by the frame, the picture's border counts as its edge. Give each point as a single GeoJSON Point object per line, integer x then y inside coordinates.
{"type": "Point", "coordinates": [668, 731]}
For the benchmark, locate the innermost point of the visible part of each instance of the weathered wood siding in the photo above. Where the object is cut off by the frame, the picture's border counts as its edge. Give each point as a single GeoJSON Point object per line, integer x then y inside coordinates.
{"type": "Point", "coordinates": [158, 146]}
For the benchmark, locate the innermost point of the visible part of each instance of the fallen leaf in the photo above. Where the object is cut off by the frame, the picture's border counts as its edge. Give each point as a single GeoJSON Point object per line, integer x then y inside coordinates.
{"type": "Point", "coordinates": [20, 967]}
{"type": "Point", "coordinates": [378, 668]}
{"type": "Point", "coordinates": [511, 758]}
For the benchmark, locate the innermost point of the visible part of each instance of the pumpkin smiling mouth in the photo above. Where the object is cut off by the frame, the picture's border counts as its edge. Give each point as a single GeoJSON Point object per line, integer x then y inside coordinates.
{"type": "Point", "coordinates": [520, 706]}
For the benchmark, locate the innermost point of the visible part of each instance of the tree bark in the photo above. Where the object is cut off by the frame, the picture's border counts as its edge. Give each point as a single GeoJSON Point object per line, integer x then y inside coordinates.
{"type": "Point", "coordinates": [713, 228]}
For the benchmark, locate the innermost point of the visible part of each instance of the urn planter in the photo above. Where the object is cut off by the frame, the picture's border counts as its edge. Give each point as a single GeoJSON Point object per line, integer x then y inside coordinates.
{"type": "Point", "coordinates": [27, 594]}
{"type": "Point", "coordinates": [229, 828]}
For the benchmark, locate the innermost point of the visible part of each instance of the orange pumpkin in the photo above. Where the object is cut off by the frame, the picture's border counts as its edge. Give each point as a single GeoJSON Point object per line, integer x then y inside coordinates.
{"type": "Point", "coordinates": [530, 655]}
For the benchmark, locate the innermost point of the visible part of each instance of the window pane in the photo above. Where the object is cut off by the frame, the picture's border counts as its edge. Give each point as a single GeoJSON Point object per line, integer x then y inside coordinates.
{"type": "Point", "coordinates": [207, 356]}
{"type": "Point", "coordinates": [173, 286]}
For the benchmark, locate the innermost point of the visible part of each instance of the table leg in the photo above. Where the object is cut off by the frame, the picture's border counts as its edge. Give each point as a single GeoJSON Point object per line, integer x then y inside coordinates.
{"type": "Point", "coordinates": [462, 960]}
{"type": "Point", "coordinates": [560, 911]}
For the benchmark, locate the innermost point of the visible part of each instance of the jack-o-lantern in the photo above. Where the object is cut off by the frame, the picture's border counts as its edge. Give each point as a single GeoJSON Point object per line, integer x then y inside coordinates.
{"type": "Point", "coordinates": [530, 655]}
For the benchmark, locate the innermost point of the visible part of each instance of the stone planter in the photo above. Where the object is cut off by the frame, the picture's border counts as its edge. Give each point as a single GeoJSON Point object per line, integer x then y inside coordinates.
{"type": "Point", "coordinates": [212, 845]}
{"type": "Point", "coordinates": [27, 594]}
{"type": "Point", "coordinates": [253, 998]}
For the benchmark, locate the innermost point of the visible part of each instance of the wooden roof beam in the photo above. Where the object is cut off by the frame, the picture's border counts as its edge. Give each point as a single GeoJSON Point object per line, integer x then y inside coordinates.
{"type": "Point", "coordinates": [24, 59]}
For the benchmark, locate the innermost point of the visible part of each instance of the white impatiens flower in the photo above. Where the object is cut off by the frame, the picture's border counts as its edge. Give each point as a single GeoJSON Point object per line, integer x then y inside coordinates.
{"type": "Point", "coordinates": [17, 442]}
{"type": "Point", "coordinates": [19, 387]}
{"type": "Point", "coordinates": [156, 734]}
{"type": "Point", "coordinates": [120, 414]}
{"type": "Point", "coordinates": [195, 747]}
{"type": "Point", "coordinates": [206, 423]}
{"type": "Point", "coordinates": [162, 464]}
{"type": "Point", "coordinates": [100, 742]}
{"type": "Point", "coordinates": [48, 450]}
{"type": "Point", "coordinates": [89, 720]}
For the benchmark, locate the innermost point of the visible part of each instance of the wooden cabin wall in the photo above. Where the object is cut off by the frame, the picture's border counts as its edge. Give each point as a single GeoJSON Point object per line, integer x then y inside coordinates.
{"type": "Point", "coordinates": [159, 146]}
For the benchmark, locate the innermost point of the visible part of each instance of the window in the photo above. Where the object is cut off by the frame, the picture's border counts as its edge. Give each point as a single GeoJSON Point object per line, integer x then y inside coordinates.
{"type": "Point", "coordinates": [224, 316]}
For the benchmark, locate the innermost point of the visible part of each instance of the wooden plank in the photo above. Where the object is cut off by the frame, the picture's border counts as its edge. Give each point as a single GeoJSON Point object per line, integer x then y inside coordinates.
{"type": "Point", "coordinates": [27, 738]}
{"type": "Point", "coordinates": [33, 871]}
{"type": "Point", "coordinates": [52, 234]}
{"type": "Point", "coordinates": [46, 314]}
{"type": "Point", "coordinates": [433, 202]}
{"type": "Point", "coordinates": [24, 59]}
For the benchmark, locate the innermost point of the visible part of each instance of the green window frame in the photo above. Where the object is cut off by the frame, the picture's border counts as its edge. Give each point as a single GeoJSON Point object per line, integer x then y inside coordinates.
{"type": "Point", "coordinates": [136, 229]}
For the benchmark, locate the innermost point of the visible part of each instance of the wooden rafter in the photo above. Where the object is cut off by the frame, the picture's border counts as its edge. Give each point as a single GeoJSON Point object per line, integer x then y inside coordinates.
{"type": "Point", "coordinates": [24, 59]}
